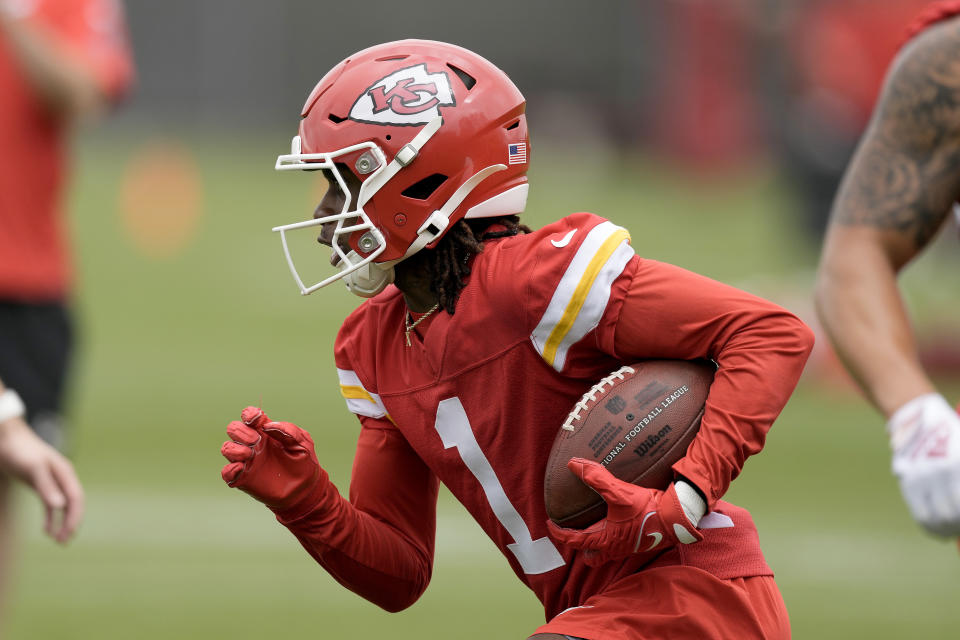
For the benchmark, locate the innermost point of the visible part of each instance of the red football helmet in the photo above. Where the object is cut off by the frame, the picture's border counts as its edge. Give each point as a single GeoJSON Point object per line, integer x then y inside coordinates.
{"type": "Point", "coordinates": [433, 132]}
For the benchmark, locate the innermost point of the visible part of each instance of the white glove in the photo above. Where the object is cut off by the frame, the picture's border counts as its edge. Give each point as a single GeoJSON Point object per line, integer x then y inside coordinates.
{"type": "Point", "coordinates": [925, 437]}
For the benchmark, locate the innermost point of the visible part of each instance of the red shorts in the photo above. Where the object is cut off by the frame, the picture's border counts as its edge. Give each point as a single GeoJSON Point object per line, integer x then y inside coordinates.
{"type": "Point", "coordinates": [679, 603]}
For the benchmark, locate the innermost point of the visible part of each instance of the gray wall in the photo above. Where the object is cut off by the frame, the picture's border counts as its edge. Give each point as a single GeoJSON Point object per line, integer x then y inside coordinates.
{"type": "Point", "coordinates": [252, 63]}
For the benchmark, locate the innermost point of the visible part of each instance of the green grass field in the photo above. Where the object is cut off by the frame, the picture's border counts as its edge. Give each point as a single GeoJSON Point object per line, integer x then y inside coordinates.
{"type": "Point", "coordinates": [175, 347]}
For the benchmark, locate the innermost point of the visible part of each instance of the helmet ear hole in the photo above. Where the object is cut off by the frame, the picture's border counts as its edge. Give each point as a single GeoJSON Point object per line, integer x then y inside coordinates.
{"type": "Point", "coordinates": [335, 118]}
{"type": "Point", "coordinates": [423, 189]}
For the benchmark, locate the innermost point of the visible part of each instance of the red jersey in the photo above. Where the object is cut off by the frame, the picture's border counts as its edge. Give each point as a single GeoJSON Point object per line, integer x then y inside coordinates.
{"type": "Point", "coordinates": [932, 14]}
{"type": "Point", "coordinates": [865, 34]}
{"type": "Point", "coordinates": [34, 264]}
{"type": "Point", "coordinates": [477, 398]}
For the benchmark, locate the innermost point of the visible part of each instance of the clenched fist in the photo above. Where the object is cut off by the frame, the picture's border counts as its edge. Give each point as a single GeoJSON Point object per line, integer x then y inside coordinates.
{"type": "Point", "coordinates": [638, 521]}
{"type": "Point", "coordinates": [274, 462]}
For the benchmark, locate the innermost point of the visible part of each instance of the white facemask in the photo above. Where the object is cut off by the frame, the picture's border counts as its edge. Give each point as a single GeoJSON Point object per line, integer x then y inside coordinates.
{"type": "Point", "coordinates": [361, 274]}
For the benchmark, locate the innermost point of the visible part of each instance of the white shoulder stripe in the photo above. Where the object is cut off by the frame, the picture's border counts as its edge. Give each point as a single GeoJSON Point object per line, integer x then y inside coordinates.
{"type": "Point", "coordinates": [581, 297]}
{"type": "Point", "coordinates": [359, 400]}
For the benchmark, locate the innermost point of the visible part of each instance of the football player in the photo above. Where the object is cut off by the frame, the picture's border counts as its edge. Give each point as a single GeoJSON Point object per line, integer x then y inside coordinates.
{"type": "Point", "coordinates": [895, 196]}
{"type": "Point", "coordinates": [478, 336]}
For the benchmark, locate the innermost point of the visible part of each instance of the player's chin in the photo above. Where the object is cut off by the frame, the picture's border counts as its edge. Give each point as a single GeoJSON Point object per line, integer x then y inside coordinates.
{"type": "Point", "coordinates": [335, 258]}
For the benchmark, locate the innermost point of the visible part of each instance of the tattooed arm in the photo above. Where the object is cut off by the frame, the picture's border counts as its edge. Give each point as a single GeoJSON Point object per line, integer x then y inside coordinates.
{"type": "Point", "coordinates": [896, 194]}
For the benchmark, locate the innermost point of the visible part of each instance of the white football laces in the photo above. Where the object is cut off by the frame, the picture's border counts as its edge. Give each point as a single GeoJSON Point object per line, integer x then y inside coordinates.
{"type": "Point", "coordinates": [591, 395]}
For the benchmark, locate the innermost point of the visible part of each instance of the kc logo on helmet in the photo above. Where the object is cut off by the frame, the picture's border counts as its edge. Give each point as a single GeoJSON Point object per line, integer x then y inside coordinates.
{"type": "Point", "coordinates": [410, 96]}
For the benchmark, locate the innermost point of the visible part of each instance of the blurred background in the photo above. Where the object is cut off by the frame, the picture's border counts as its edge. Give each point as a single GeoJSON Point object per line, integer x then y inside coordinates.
{"type": "Point", "coordinates": [715, 130]}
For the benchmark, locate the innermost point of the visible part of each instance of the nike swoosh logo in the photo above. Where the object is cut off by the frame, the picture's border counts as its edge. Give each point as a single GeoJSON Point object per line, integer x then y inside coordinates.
{"type": "Point", "coordinates": [658, 536]}
{"type": "Point", "coordinates": [564, 241]}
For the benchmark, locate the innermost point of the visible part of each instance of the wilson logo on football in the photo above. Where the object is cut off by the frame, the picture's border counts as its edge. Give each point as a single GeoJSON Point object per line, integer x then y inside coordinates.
{"type": "Point", "coordinates": [410, 96]}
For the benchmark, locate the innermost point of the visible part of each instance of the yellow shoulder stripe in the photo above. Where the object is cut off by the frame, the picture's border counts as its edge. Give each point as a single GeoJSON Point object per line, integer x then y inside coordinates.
{"type": "Point", "coordinates": [580, 293]}
{"type": "Point", "coordinates": [355, 392]}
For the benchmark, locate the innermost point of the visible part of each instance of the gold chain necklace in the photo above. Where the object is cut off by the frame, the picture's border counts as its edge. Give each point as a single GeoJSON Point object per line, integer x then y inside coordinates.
{"type": "Point", "coordinates": [410, 325]}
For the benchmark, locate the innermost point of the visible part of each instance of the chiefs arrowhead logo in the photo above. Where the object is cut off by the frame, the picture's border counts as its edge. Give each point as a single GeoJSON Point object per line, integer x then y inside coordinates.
{"type": "Point", "coordinates": [410, 96]}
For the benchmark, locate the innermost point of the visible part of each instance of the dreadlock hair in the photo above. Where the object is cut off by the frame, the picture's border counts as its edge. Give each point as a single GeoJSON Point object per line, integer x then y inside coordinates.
{"type": "Point", "coordinates": [449, 262]}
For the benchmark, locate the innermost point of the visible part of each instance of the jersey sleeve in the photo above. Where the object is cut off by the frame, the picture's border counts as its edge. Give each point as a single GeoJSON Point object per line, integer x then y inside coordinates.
{"type": "Point", "coordinates": [569, 269]}
{"type": "Point", "coordinates": [94, 34]}
{"type": "Point", "coordinates": [760, 350]}
{"type": "Point", "coordinates": [379, 543]}
{"type": "Point", "coordinates": [360, 401]}
{"type": "Point", "coordinates": [349, 350]}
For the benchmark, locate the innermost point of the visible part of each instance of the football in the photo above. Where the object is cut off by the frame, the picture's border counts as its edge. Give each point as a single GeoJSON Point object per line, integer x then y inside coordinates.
{"type": "Point", "coordinates": [637, 422]}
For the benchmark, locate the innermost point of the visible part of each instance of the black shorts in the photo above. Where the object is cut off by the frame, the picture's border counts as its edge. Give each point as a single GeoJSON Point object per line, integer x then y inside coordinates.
{"type": "Point", "coordinates": [36, 341]}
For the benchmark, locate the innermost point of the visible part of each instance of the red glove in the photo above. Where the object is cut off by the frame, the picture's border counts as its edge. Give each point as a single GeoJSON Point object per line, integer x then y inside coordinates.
{"type": "Point", "coordinates": [274, 462]}
{"type": "Point", "coordinates": [638, 521]}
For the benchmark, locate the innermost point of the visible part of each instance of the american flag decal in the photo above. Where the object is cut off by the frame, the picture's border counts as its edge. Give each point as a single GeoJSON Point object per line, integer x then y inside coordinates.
{"type": "Point", "coordinates": [517, 153]}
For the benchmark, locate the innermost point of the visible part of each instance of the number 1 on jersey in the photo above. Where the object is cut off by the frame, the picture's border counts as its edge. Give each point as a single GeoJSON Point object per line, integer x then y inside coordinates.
{"type": "Point", "coordinates": [534, 556]}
